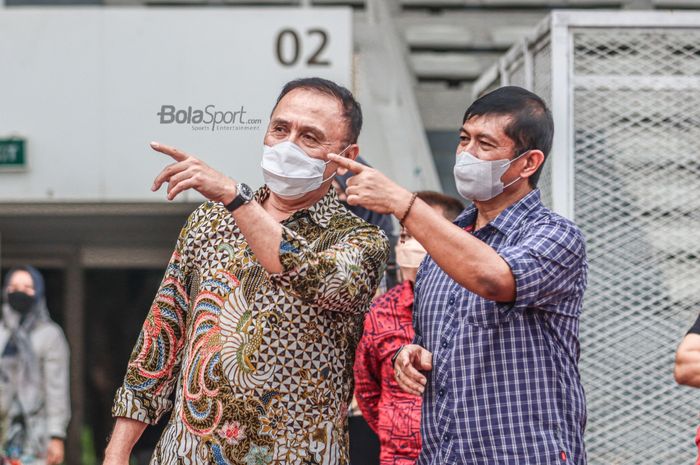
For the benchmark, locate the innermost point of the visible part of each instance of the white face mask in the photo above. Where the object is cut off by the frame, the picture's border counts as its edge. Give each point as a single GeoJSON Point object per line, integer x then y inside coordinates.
{"type": "Point", "coordinates": [289, 172]}
{"type": "Point", "coordinates": [409, 254]}
{"type": "Point", "coordinates": [481, 179]}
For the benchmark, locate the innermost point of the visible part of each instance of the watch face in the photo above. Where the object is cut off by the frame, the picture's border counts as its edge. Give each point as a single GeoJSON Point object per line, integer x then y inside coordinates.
{"type": "Point", "coordinates": [245, 191]}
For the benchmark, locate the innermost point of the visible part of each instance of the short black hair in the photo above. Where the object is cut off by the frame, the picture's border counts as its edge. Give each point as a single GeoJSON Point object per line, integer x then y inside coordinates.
{"type": "Point", "coordinates": [451, 207]}
{"type": "Point", "coordinates": [531, 126]}
{"type": "Point", "coordinates": [351, 108]}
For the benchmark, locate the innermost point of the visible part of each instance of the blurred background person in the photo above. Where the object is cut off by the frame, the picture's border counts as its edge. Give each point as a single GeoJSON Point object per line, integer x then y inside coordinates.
{"type": "Point", "coordinates": [34, 398]}
{"type": "Point", "coordinates": [686, 370]}
{"type": "Point", "coordinates": [392, 413]}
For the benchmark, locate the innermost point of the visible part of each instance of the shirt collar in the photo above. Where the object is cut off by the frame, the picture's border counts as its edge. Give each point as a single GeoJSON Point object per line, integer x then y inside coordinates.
{"type": "Point", "coordinates": [320, 213]}
{"type": "Point", "coordinates": [508, 219]}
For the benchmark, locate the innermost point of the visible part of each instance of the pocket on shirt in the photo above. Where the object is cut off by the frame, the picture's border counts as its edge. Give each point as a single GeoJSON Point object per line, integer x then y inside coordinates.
{"type": "Point", "coordinates": [486, 313]}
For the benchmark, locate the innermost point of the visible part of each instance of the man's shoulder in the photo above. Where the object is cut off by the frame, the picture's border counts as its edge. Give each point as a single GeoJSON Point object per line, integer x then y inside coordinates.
{"type": "Point", "coordinates": [343, 219]}
{"type": "Point", "coordinates": [551, 232]}
{"type": "Point", "coordinates": [47, 336]}
{"type": "Point", "coordinates": [342, 214]}
{"type": "Point", "coordinates": [211, 209]}
{"type": "Point", "coordinates": [544, 218]}
{"type": "Point", "coordinates": [209, 214]}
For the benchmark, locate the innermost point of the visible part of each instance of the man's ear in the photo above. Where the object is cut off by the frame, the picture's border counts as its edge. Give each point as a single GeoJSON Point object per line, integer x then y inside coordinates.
{"type": "Point", "coordinates": [533, 161]}
{"type": "Point", "coordinates": [353, 152]}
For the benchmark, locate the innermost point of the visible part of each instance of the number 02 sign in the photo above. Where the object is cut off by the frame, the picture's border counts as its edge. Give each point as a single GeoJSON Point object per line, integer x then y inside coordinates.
{"type": "Point", "coordinates": [308, 45]}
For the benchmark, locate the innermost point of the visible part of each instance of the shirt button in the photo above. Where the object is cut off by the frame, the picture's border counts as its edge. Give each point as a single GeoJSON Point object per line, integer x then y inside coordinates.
{"type": "Point", "coordinates": [444, 344]}
{"type": "Point", "coordinates": [446, 437]}
{"type": "Point", "coordinates": [441, 392]}
{"type": "Point", "coordinates": [452, 300]}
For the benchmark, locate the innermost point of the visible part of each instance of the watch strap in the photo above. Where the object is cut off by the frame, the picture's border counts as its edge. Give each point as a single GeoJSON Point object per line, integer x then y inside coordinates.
{"type": "Point", "coordinates": [238, 200]}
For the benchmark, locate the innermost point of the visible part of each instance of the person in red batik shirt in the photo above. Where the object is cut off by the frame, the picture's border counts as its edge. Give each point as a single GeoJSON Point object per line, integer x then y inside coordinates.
{"type": "Point", "coordinates": [392, 413]}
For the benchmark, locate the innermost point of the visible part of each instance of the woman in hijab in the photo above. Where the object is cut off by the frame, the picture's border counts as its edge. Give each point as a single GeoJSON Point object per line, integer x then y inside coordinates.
{"type": "Point", "coordinates": [34, 400]}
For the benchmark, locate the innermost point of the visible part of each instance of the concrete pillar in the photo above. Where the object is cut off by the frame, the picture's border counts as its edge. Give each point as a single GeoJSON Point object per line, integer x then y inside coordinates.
{"type": "Point", "coordinates": [75, 332]}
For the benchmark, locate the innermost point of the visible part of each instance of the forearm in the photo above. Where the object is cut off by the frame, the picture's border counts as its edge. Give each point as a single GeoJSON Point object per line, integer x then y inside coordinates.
{"type": "Point", "coordinates": [687, 367]}
{"type": "Point", "coordinates": [262, 233]}
{"type": "Point", "coordinates": [467, 260]}
{"type": "Point", "coordinates": [124, 436]}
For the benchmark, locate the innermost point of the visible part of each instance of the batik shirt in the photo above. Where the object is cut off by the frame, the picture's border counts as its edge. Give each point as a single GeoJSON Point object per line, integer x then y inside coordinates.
{"type": "Point", "coordinates": [392, 413]}
{"type": "Point", "coordinates": [505, 387]}
{"type": "Point", "coordinates": [261, 363]}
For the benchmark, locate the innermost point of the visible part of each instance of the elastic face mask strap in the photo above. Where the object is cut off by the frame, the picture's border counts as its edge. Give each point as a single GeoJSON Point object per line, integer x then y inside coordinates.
{"type": "Point", "coordinates": [516, 158]}
{"type": "Point", "coordinates": [513, 182]}
{"type": "Point", "coordinates": [329, 177]}
{"type": "Point", "coordinates": [340, 153]}
{"type": "Point", "coordinates": [511, 161]}
{"type": "Point", "coordinates": [332, 175]}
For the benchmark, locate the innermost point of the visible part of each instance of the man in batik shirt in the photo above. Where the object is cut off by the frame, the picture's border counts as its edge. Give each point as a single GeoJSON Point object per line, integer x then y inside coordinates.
{"type": "Point", "coordinates": [257, 318]}
{"type": "Point", "coordinates": [392, 413]}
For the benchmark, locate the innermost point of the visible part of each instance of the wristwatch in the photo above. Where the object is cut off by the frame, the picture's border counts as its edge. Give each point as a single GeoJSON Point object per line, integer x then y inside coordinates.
{"type": "Point", "coordinates": [245, 195]}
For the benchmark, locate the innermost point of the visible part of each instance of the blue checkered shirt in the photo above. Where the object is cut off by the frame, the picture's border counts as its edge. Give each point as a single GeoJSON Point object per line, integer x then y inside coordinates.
{"type": "Point", "coordinates": [505, 387]}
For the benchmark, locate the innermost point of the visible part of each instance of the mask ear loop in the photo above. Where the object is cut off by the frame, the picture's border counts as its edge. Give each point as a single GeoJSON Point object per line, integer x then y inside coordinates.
{"type": "Point", "coordinates": [340, 153]}
{"type": "Point", "coordinates": [516, 158]}
{"type": "Point", "coordinates": [511, 161]}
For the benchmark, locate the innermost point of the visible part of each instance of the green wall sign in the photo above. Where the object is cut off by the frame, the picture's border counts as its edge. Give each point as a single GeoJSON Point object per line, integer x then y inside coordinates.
{"type": "Point", "coordinates": [12, 154]}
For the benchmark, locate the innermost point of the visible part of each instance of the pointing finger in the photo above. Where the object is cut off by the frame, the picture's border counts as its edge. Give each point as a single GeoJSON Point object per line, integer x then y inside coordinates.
{"type": "Point", "coordinates": [346, 164]}
{"type": "Point", "coordinates": [176, 154]}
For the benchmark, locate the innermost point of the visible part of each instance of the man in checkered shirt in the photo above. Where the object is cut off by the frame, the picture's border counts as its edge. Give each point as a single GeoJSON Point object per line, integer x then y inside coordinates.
{"type": "Point", "coordinates": [498, 299]}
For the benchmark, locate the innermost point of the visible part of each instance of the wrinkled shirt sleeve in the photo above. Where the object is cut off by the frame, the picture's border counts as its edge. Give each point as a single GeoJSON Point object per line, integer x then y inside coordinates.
{"type": "Point", "coordinates": [156, 359]}
{"type": "Point", "coordinates": [342, 277]}
{"type": "Point", "coordinates": [549, 267]}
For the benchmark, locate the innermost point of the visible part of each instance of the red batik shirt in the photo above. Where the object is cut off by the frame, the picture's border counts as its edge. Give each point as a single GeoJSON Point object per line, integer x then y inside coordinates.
{"type": "Point", "coordinates": [392, 413]}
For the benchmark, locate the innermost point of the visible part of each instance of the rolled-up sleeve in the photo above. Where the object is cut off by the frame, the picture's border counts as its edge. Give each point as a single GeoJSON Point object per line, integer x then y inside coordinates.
{"type": "Point", "coordinates": [156, 359]}
{"type": "Point", "coordinates": [549, 267]}
{"type": "Point", "coordinates": [342, 277]}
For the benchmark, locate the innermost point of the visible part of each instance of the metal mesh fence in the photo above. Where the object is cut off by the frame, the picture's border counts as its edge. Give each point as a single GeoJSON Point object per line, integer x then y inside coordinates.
{"type": "Point", "coordinates": [542, 77]}
{"type": "Point", "coordinates": [636, 52]}
{"type": "Point", "coordinates": [635, 114]}
{"type": "Point", "coordinates": [637, 199]}
{"type": "Point", "coordinates": [516, 72]}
